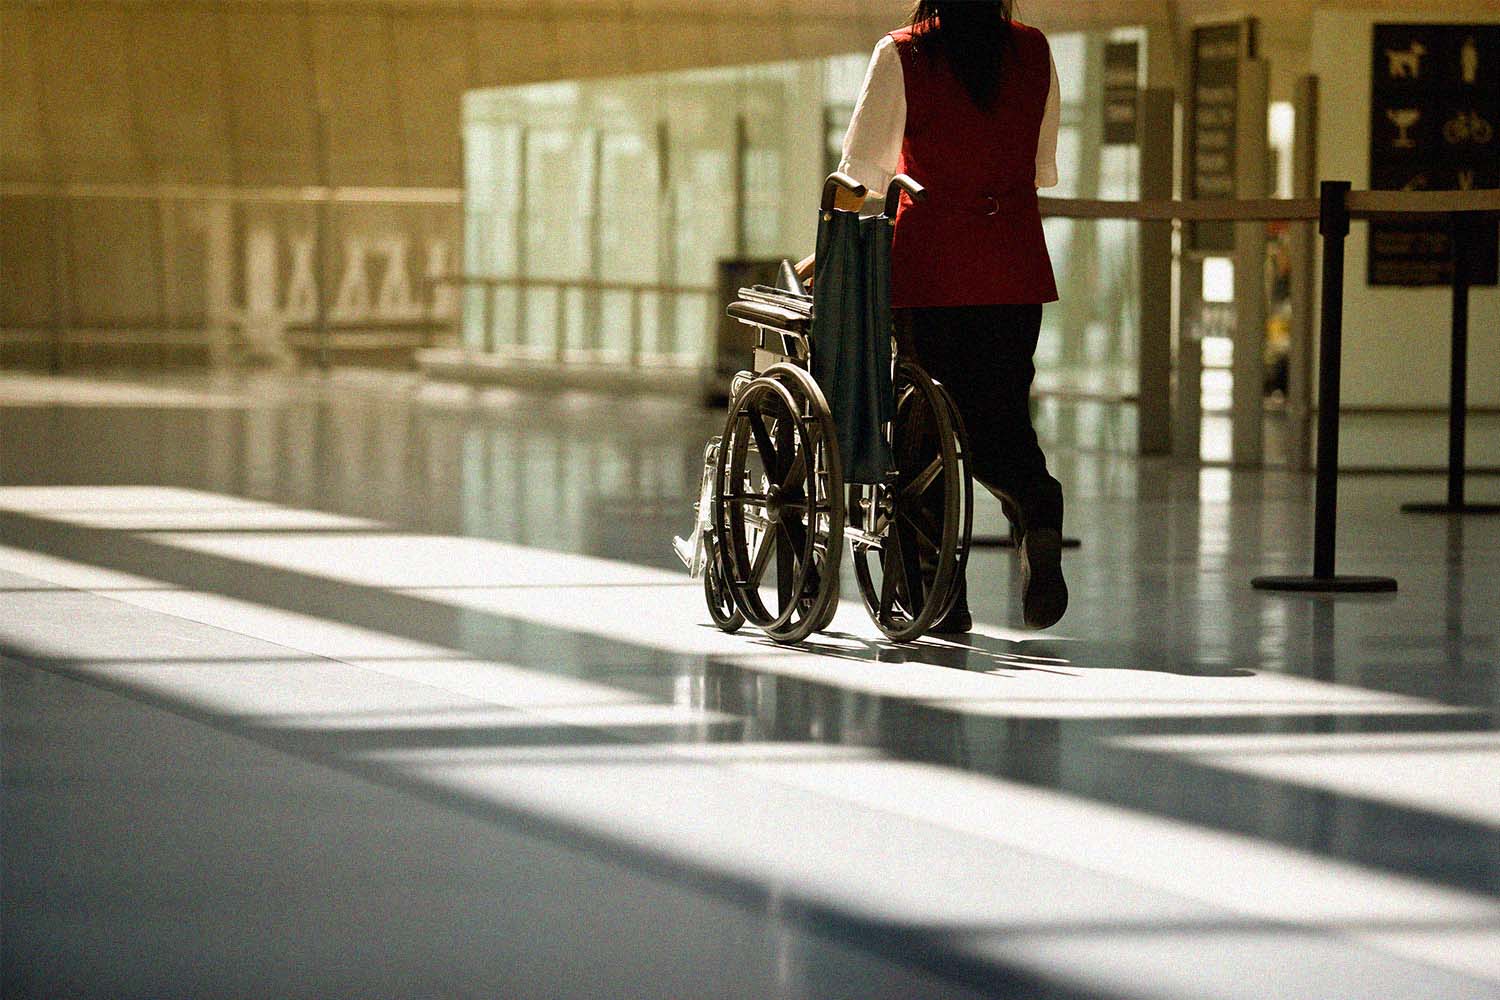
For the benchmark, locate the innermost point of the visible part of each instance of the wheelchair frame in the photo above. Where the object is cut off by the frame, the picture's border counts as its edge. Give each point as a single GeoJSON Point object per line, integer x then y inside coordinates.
{"type": "Point", "coordinates": [908, 566]}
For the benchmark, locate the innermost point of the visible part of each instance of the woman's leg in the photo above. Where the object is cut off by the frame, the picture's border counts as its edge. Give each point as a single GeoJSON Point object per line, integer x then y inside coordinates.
{"type": "Point", "coordinates": [983, 355]}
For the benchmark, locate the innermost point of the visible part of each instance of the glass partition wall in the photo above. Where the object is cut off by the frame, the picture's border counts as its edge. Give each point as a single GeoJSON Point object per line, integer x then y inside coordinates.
{"type": "Point", "coordinates": [597, 213]}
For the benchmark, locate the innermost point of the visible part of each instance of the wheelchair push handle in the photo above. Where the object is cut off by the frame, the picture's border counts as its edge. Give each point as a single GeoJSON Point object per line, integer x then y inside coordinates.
{"type": "Point", "coordinates": [899, 183]}
{"type": "Point", "coordinates": [837, 180]}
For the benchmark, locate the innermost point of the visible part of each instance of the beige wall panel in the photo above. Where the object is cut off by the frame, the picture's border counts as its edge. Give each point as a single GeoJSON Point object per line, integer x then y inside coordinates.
{"type": "Point", "coordinates": [272, 99]}
{"type": "Point", "coordinates": [357, 87]}
{"type": "Point", "coordinates": [671, 42]}
{"type": "Point", "coordinates": [113, 256]}
{"type": "Point", "coordinates": [751, 37]}
{"type": "Point", "coordinates": [26, 261]}
{"type": "Point", "coordinates": [603, 46]}
{"type": "Point", "coordinates": [178, 68]}
{"type": "Point", "coordinates": [821, 38]}
{"type": "Point", "coordinates": [838, 10]}
{"type": "Point", "coordinates": [86, 92]}
{"type": "Point", "coordinates": [432, 72]}
{"type": "Point", "coordinates": [23, 147]}
{"type": "Point", "coordinates": [512, 49]}
{"type": "Point", "coordinates": [1080, 15]}
{"type": "Point", "coordinates": [703, 9]}
{"type": "Point", "coordinates": [185, 256]}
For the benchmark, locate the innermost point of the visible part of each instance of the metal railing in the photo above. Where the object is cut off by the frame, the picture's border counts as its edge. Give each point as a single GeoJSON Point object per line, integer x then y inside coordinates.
{"type": "Point", "coordinates": [164, 318]}
{"type": "Point", "coordinates": [593, 292]}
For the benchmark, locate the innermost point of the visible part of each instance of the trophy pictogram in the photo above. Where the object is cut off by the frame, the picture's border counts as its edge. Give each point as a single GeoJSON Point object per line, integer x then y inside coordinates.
{"type": "Point", "coordinates": [1404, 119]}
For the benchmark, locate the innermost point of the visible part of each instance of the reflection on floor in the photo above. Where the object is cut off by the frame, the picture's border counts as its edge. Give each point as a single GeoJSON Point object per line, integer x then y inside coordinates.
{"type": "Point", "coordinates": [359, 687]}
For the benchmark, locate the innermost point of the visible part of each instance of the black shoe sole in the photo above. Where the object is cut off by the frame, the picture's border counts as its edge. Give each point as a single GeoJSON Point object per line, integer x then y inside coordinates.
{"type": "Point", "coordinates": [946, 627]}
{"type": "Point", "coordinates": [1044, 592]}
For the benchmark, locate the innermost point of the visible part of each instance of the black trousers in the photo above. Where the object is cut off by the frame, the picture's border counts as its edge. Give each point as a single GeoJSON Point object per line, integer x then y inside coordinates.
{"type": "Point", "coordinates": [983, 356]}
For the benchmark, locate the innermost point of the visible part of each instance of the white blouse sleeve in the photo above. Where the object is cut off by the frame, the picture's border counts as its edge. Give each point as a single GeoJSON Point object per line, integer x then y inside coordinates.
{"type": "Point", "coordinates": [872, 146]}
{"type": "Point", "coordinates": [1046, 146]}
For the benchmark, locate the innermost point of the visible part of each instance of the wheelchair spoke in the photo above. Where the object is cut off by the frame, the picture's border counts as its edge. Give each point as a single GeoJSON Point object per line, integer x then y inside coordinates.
{"type": "Point", "coordinates": [911, 569]}
{"type": "Point", "coordinates": [796, 473]}
{"type": "Point", "coordinates": [891, 554]}
{"type": "Point", "coordinates": [922, 483]}
{"type": "Point", "coordinates": [923, 517]}
{"type": "Point", "coordinates": [801, 506]}
{"type": "Point", "coordinates": [796, 536]}
{"type": "Point", "coordinates": [747, 499]}
{"type": "Point", "coordinates": [768, 455]}
{"type": "Point", "coordinates": [762, 559]}
{"type": "Point", "coordinates": [922, 536]}
{"type": "Point", "coordinates": [786, 567]}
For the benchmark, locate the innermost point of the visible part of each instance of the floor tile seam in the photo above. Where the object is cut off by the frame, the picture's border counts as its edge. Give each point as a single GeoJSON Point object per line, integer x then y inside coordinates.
{"type": "Point", "coordinates": [313, 656]}
{"type": "Point", "coordinates": [1212, 906]}
{"type": "Point", "coordinates": [1365, 939]}
{"type": "Point", "coordinates": [123, 599]}
{"type": "Point", "coordinates": [1346, 789]}
{"type": "Point", "coordinates": [354, 664]}
{"type": "Point", "coordinates": [221, 726]}
{"type": "Point", "coordinates": [1378, 702]}
{"type": "Point", "coordinates": [419, 590]}
{"type": "Point", "coordinates": [242, 633]}
{"type": "Point", "coordinates": [608, 848]}
{"type": "Point", "coordinates": [340, 765]}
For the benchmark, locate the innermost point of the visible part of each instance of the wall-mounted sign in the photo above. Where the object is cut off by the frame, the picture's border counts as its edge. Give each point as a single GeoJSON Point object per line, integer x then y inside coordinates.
{"type": "Point", "coordinates": [1434, 126]}
{"type": "Point", "coordinates": [1213, 118]}
{"type": "Point", "coordinates": [1121, 88]}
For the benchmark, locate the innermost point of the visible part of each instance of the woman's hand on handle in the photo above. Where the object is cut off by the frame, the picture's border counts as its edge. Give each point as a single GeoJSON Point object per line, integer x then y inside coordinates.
{"type": "Point", "coordinates": [805, 268]}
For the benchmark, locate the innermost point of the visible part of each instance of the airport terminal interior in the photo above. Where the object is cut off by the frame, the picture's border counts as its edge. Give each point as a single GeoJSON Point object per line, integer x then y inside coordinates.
{"type": "Point", "coordinates": [357, 364]}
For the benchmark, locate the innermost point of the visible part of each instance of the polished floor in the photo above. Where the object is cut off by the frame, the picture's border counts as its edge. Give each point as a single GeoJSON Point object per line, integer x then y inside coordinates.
{"type": "Point", "coordinates": [352, 686]}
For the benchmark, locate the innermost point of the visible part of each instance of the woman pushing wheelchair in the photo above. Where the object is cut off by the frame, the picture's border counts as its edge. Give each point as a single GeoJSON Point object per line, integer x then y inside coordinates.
{"type": "Point", "coordinates": [964, 99]}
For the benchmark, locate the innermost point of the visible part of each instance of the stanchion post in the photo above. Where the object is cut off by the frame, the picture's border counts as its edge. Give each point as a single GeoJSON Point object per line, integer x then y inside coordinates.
{"type": "Point", "coordinates": [1464, 226]}
{"type": "Point", "coordinates": [1154, 118]}
{"type": "Point", "coordinates": [1333, 225]}
{"type": "Point", "coordinates": [1458, 370]}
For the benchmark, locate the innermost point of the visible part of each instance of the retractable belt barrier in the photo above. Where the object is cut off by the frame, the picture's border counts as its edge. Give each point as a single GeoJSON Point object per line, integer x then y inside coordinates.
{"type": "Point", "coordinates": [1333, 210]}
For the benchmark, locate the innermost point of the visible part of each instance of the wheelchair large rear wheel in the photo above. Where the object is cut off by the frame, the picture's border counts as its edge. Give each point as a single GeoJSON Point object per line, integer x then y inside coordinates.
{"type": "Point", "coordinates": [721, 607]}
{"type": "Point", "coordinates": [922, 515]}
{"type": "Point", "coordinates": [966, 501]}
{"type": "Point", "coordinates": [778, 507]}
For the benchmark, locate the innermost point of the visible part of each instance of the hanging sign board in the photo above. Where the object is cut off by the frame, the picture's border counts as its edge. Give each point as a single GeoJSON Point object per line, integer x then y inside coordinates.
{"type": "Point", "coordinates": [1213, 112]}
{"type": "Point", "coordinates": [1121, 89]}
{"type": "Point", "coordinates": [1434, 126]}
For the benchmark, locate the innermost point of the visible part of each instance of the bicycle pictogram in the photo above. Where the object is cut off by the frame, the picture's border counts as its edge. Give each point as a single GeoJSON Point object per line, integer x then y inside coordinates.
{"type": "Point", "coordinates": [1468, 127]}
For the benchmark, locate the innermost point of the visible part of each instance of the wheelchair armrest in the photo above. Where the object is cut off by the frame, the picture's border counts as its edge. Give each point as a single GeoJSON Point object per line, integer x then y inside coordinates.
{"type": "Point", "coordinates": [764, 314]}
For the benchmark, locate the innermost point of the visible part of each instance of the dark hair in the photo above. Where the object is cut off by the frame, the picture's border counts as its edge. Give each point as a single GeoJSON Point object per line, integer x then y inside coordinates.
{"type": "Point", "coordinates": [971, 36]}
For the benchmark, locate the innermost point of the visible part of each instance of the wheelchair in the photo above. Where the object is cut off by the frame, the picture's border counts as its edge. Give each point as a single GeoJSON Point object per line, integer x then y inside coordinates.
{"type": "Point", "coordinates": [774, 511]}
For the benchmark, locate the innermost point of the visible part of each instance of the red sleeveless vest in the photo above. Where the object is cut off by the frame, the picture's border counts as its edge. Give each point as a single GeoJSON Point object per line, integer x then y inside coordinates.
{"type": "Point", "coordinates": [977, 239]}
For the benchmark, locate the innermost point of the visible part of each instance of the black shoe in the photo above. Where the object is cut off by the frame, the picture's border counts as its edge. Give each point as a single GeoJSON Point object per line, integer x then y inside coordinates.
{"type": "Point", "coordinates": [1044, 592]}
{"type": "Point", "coordinates": [954, 622]}
{"type": "Point", "coordinates": [957, 620]}
{"type": "Point", "coordinates": [1012, 521]}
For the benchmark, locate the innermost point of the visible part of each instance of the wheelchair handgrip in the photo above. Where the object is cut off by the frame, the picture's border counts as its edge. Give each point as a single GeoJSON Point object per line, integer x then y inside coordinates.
{"type": "Point", "coordinates": [838, 180]}
{"type": "Point", "coordinates": [899, 183]}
